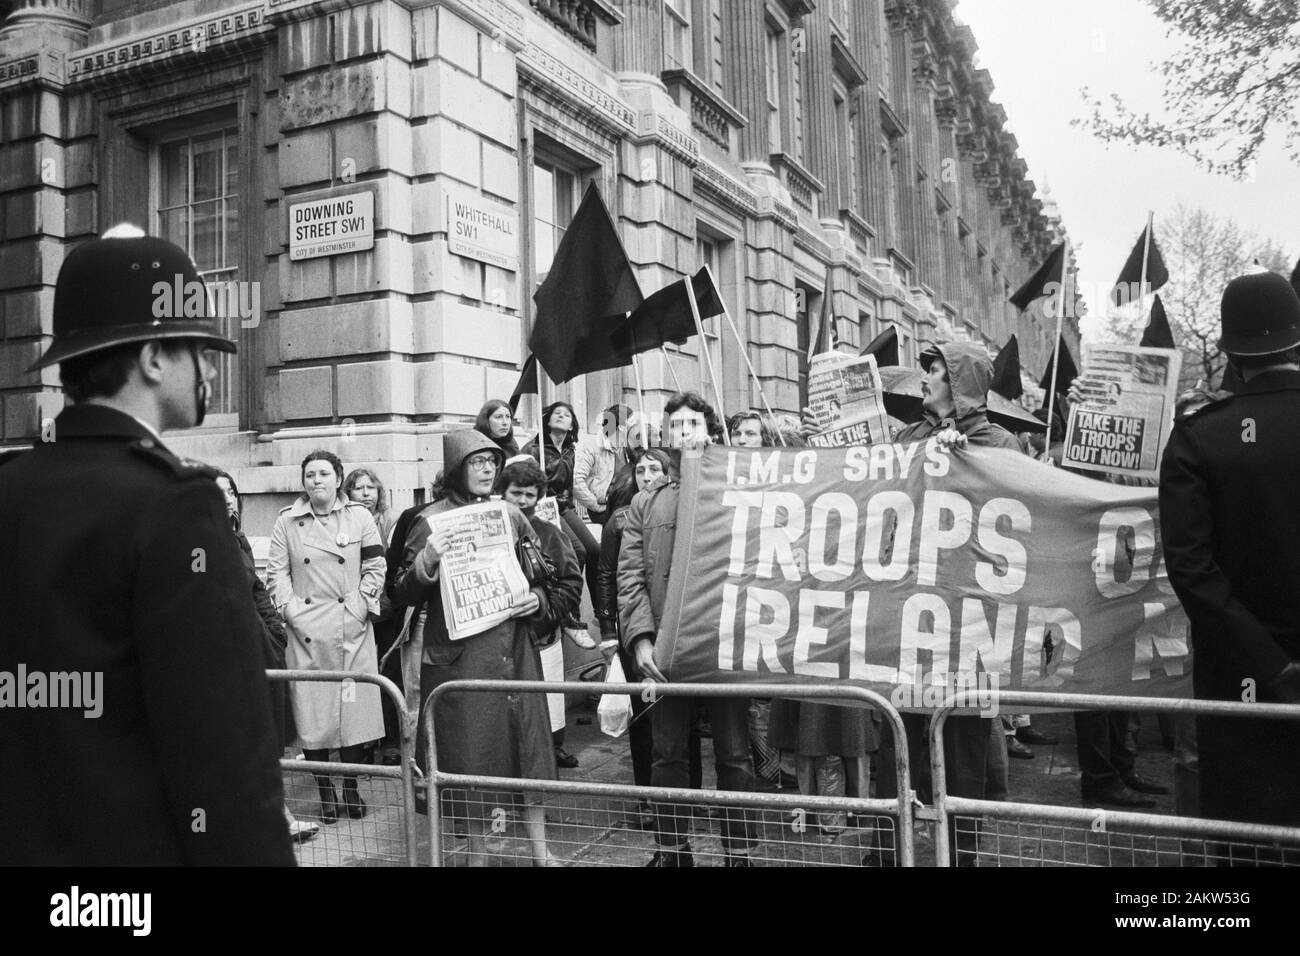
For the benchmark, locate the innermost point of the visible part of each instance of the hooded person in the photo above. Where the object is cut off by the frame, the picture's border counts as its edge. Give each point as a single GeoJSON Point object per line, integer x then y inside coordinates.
{"type": "Point", "coordinates": [955, 410]}
{"type": "Point", "coordinates": [493, 734]}
{"type": "Point", "coordinates": [955, 398]}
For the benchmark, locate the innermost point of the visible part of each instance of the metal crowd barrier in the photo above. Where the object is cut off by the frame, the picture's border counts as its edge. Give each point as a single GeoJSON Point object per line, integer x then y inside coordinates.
{"type": "Point", "coordinates": [604, 824]}
{"type": "Point", "coordinates": [387, 835]}
{"type": "Point", "coordinates": [995, 833]}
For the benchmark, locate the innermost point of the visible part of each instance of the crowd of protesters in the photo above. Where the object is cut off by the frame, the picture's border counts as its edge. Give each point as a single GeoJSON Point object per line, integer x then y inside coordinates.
{"type": "Point", "coordinates": [352, 588]}
{"type": "Point", "coordinates": [329, 607]}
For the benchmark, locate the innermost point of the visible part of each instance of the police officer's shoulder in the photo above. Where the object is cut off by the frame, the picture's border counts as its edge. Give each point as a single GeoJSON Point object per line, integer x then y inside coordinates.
{"type": "Point", "coordinates": [181, 469]}
{"type": "Point", "coordinates": [1201, 406]}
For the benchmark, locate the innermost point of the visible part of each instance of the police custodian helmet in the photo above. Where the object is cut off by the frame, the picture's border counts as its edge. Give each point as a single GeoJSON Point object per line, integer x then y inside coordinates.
{"type": "Point", "coordinates": [1261, 315]}
{"type": "Point", "coordinates": [128, 287]}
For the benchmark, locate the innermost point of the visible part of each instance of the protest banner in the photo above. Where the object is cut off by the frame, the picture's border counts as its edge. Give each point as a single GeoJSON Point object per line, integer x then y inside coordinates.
{"type": "Point", "coordinates": [1121, 425]}
{"type": "Point", "coordinates": [847, 399]}
{"type": "Point", "coordinates": [480, 577]}
{"type": "Point", "coordinates": [905, 568]}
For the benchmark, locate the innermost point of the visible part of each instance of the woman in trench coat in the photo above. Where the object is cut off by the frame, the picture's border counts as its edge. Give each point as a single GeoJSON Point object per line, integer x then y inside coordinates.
{"type": "Point", "coordinates": [325, 570]}
{"type": "Point", "coordinates": [501, 735]}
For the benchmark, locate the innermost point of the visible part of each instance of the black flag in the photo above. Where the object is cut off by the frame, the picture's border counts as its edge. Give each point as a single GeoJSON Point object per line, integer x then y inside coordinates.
{"type": "Point", "coordinates": [1006, 371]}
{"type": "Point", "coordinates": [665, 316]}
{"type": "Point", "coordinates": [1131, 274]}
{"type": "Point", "coordinates": [1066, 372]}
{"type": "Point", "coordinates": [1295, 277]}
{"type": "Point", "coordinates": [527, 382]}
{"type": "Point", "coordinates": [1157, 334]}
{"type": "Point", "coordinates": [884, 347]}
{"type": "Point", "coordinates": [586, 295]}
{"type": "Point", "coordinates": [1049, 271]}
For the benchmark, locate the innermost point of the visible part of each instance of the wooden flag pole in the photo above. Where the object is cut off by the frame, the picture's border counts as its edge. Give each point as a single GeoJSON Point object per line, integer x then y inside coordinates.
{"type": "Point", "coordinates": [1056, 347]}
{"type": "Point", "coordinates": [744, 351]}
{"type": "Point", "coordinates": [541, 425]}
{"type": "Point", "coordinates": [640, 392]}
{"type": "Point", "coordinates": [677, 382]}
{"type": "Point", "coordinates": [1146, 257]}
{"type": "Point", "coordinates": [704, 356]}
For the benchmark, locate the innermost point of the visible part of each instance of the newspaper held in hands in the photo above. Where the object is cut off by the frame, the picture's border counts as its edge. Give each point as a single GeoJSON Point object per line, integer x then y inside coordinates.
{"type": "Point", "coordinates": [847, 398]}
{"type": "Point", "coordinates": [548, 509]}
{"type": "Point", "coordinates": [480, 577]}
{"type": "Point", "coordinates": [1127, 410]}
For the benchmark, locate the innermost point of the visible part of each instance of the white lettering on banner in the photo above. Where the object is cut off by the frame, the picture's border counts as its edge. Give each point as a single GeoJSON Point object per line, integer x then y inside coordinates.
{"type": "Point", "coordinates": [1012, 552]}
{"type": "Point", "coordinates": [776, 541]}
{"type": "Point", "coordinates": [810, 635]}
{"type": "Point", "coordinates": [727, 627]}
{"type": "Point", "coordinates": [935, 537]}
{"type": "Point", "coordinates": [980, 647]}
{"type": "Point", "coordinates": [845, 510]}
{"type": "Point", "coordinates": [881, 560]}
{"type": "Point", "coordinates": [742, 501]}
{"type": "Point", "coordinates": [1164, 633]}
{"type": "Point", "coordinates": [936, 640]}
{"type": "Point", "coordinates": [859, 669]}
{"type": "Point", "coordinates": [1063, 629]}
{"type": "Point", "coordinates": [761, 636]}
{"type": "Point", "coordinates": [1111, 541]}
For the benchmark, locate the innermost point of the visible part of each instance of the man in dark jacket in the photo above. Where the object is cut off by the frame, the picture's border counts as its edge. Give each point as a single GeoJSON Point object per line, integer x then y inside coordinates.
{"type": "Point", "coordinates": [647, 551]}
{"type": "Point", "coordinates": [119, 571]}
{"type": "Point", "coordinates": [1228, 514]}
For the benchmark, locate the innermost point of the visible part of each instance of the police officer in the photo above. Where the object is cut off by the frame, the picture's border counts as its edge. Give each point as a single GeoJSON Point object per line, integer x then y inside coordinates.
{"type": "Point", "coordinates": [135, 723]}
{"type": "Point", "coordinates": [1229, 513]}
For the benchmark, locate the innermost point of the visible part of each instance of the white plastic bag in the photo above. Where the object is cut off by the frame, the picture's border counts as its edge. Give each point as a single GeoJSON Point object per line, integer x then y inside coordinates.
{"type": "Point", "coordinates": [615, 710]}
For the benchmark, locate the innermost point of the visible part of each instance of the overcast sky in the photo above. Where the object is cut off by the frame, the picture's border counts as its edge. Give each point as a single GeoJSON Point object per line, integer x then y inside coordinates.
{"type": "Point", "coordinates": [1040, 54]}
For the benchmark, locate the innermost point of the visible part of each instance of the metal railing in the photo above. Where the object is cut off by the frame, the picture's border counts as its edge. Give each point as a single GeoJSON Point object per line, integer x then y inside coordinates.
{"type": "Point", "coordinates": [593, 823]}
{"type": "Point", "coordinates": [1039, 834]}
{"type": "Point", "coordinates": [386, 834]}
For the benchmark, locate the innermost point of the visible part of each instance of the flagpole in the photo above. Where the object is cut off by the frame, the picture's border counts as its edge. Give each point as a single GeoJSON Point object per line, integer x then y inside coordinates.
{"type": "Point", "coordinates": [640, 392]}
{"type": "Point", "coordinates": [1146, 257]}
{"type": "Point", "coordinates": [1056, 347]}
{"type": "Point", "coordinates": [744, 351]}
{"type": "Point", "coordinates": [541, 438]}
{"type": "Point", "coordinates": [677, 382]}
{"type": "Point", "coordinates": [704, 355]}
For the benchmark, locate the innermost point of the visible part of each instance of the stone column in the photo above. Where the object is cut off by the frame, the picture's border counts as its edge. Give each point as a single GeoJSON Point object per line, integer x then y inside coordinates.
{"type": "Point", "coordinates": [744, 63]}
{"type": "Point", "coordinates": [639, 39]}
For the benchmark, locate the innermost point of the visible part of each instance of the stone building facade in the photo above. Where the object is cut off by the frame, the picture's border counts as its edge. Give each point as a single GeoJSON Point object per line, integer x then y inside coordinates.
{"type": "Point", "coordinates": [847, 148]}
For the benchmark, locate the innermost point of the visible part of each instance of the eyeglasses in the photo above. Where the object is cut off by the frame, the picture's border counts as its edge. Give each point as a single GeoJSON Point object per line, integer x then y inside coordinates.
{"type": "Point", "coordinates": [483, 462]}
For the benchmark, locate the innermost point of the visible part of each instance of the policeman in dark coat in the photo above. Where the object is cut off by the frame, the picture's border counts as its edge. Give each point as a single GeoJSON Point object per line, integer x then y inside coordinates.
{"type": "Point", "coordinates": [1229, 513]}
{"type": "Point", "coordinates": [135, 724]}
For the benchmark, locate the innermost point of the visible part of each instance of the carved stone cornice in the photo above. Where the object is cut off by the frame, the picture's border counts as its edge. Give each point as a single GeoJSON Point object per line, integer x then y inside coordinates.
{"type": "Point", "coordinates": [577, 18]}
{"type": "Point", "coordinates": [711, 115]}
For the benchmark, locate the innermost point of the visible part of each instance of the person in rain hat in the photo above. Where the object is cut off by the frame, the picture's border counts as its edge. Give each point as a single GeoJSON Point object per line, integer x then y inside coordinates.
{"type": "Point", "coordinates": [123, 587]}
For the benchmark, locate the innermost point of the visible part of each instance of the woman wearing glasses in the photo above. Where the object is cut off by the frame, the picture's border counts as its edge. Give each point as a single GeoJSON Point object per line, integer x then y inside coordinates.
{"type": "Point", "coordinates": [503, 735]}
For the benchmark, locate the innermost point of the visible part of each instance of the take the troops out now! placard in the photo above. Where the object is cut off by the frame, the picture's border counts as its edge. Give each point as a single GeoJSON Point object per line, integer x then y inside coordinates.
{"type": "Point", "coordinates": [1122, 423]}
{"type": "Point", "coordinates": [902, 566]}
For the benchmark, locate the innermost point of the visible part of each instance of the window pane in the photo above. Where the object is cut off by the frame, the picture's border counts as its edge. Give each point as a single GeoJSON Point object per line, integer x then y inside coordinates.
{"type": "Point", "coordinates": [173, 166]}
{"type": "Point", "coordinates": [563, 199]}
{"type": "Point", "coordinates": [232, 166]}
{"type": "Point", "coordinates": [230, 243]}
{"type": "Point", "coordinates": [207, 236]}
{"type": "Point", "coordinates": [543, 194]}
{"type": "Point", "coordinates": [207, 168]}
{"type": "Point", "coordinates": [544, 247]}
{"type": "Point", "coordinates": [174, 226]}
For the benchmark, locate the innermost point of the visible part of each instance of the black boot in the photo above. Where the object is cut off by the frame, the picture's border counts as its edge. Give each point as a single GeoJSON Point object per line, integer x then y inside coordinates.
{"type": "Point", "coordinates": [329, 801]}
{"type": "Point", "coordinates": [356, 807]}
